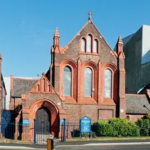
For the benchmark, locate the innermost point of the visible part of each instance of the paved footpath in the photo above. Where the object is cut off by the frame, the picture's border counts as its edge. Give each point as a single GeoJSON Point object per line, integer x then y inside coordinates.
{"type": "Point", "coordinates": [21, 147]}
{"type": "Point", "coordinates": [105, 145]}
{"type": "Point", "coordinates": [89, 145]}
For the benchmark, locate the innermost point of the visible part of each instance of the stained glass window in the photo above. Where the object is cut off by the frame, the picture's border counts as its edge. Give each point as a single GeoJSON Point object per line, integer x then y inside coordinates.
{"type": "Point", "coordinates": [83, 44]}
{"type": "Point", "coordinates": [107, 83]}
{"type": "Point", "coordinates": [89, 43]}
{"type": "Point", "coordinates": [88, 82]}
{"type": "Point", "coordinates": [67, 81]}
{"type": "Point", "coordinates": [95, 46]}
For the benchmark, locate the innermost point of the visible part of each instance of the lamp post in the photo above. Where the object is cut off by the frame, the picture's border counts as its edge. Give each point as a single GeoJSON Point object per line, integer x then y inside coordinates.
{"type": "Point", "coordinates": [146, 107]}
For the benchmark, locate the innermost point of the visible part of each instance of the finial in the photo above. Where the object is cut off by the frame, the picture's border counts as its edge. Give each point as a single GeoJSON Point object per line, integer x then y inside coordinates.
{"type": "Point", "coordinates": [120, 40]}
{"type": "Point", "coordinates": [56, 32]}
{"type": "Point", "coordinates": [90, 14]}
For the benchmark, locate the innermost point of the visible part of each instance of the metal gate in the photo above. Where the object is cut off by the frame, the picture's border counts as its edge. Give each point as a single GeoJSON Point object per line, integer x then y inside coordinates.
{"type": "Point", "coordinates": [42, 123]}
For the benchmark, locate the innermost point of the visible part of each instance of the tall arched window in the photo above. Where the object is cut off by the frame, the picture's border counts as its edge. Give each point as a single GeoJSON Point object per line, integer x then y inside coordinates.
{"type": "Point", "coordinates": [88, 82]}
{"type": "Point", "coordinates": [67, 81]}
{"type": "Point", "coordinates": [83, 45]}
{"type": "Point", "coordinates": [108, 83]}
{"type": "Point", "coordinates": [89, 43]}
{"type": "Point", "coordinates": [95, 46]}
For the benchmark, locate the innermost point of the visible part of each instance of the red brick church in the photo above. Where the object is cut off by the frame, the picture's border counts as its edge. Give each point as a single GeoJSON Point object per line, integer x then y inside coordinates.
{"type": "Point", "coordinates": [86, 78]}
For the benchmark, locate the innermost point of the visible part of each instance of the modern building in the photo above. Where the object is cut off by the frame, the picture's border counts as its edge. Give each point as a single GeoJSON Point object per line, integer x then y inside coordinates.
{"type": "Point", "coordinates": [137, 62]}
{"type": "Point", "coordinates": [137, 65]}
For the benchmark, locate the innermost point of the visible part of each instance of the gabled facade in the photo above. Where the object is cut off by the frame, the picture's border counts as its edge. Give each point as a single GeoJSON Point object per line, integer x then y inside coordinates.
{"type": "Point", "coordinates": [89, 75]}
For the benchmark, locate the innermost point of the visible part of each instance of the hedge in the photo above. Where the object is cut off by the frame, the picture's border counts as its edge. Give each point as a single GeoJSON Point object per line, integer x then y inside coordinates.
{"type": "Point", "coordinates": [102, 128]}
{"type": "Point", "coordinates": [144, 125]}
{"type": "Point", "coordinates": [116, 127]}
{"type": "Point", "coordinates": [123, 127]}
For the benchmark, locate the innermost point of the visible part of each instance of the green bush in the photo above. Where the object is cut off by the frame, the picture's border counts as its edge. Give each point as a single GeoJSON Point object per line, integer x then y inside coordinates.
{"type": "Point", "coordinates": [148, 115]}
{"type": "Point", "coordinates": [116, 127]}
{"type": "Point", "coordinates": [123, 127]}
{"type": "Point", "coordinates": [89, 135]}
{"type": "Point", "coordinates": [93, 134]}
{"type": "Point", "coordinates": [85, 135]}
{"type": "Point", "coordinates": [144, 125]}
{"type": "Point", "coordinates": [102, 128]}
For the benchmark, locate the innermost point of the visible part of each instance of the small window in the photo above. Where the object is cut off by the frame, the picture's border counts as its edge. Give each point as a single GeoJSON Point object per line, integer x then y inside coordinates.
{"type": "Point", "coordinates": [95, 46]}
{"type": "Point", "coordinates": [89, 43]}
{"type": "Point", "coordinates": [83, 45]}
{"type": "Point", "coordinates": [88, 82]}
{"type": "Point", "coordinates": [108, 83]}
{"type": "Point", "coordinates": [67, 81]}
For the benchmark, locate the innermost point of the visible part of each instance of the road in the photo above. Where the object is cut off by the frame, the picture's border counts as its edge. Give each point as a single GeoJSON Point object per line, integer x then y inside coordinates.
{"type": "Point", "coordinates": [122, 147]}
{"type": "Point", "coordinates": [21, 147]}
{"type": "Point", "coordinates": [117, 145]}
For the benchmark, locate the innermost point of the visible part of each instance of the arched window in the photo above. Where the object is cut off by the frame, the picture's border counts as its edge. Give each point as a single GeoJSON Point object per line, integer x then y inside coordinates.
{"type": "Point", "coordinates": [89, 43]}
{"type": "Point", "coordinates": [95, 46]}
{"type": "Point", "coordinates": [88, 82]}
{"type": "Point", "coordinates": [83, 44]}
{"type": "Point", "coordinates": [67, 81]}
{"type": "Point", "coordinates": [108, 83]}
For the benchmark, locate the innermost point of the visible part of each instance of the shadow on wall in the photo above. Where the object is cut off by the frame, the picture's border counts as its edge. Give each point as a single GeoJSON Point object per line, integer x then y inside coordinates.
{"type": "Point", "coordinates": [9, 126]}
{"type": "Point", "coordinates": [6, 118]}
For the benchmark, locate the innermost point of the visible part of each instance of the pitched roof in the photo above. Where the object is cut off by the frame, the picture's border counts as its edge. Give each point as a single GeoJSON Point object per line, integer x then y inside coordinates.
{"type": "Point", "coordinates": [22, 85]}
{"type": "Point", "coordinates": [135, 104]}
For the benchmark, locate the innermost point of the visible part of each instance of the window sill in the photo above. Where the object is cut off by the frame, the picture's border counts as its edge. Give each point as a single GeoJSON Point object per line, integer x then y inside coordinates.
{"type": "Point", "coordinates": [69, 99]}
{"type": "Point", "coordinates": [108, 101]}
{"type": "Point", "coordinates": [88, 53]}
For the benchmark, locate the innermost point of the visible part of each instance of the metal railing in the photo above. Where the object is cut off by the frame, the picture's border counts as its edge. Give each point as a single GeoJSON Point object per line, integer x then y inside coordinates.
{"type": "Point", "coordinates": [12, 130]}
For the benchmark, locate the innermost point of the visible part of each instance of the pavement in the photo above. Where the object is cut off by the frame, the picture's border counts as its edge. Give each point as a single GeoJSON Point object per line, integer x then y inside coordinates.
{"type": "Point", "coordinates": [105, 145]}
{"type": "Point", "coordinates": [79, 145]}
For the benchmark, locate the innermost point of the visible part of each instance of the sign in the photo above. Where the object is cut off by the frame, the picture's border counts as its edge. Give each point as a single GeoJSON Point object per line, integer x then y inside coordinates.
{"type": "Point", "coordinates": [85, 125]}
{"type": "Point", "coordinates": [26, 122]}
{"type": "Point", "coordinates": [62, 122]}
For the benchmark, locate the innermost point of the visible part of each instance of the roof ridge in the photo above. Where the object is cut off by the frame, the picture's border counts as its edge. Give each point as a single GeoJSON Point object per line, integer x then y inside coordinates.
{"type": "Point", "coordinates": [102, 35]}
{"type": "Point", "coordinates": [18, 78]}
{"type": "Point", "coordinates": [78, 33]}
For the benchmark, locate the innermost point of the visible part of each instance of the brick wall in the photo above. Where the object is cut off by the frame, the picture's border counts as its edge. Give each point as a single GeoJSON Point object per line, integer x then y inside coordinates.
{"type": "Point", "coordinates": [134, 117]}
{"type": "Point", "coordinates": [76, 112]}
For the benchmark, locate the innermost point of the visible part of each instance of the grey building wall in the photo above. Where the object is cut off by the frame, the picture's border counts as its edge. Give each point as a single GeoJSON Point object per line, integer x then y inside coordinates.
{"type": "Point", "coordinates": [137, 74]}
{"type": "Point", "coordinates": [133, 51]}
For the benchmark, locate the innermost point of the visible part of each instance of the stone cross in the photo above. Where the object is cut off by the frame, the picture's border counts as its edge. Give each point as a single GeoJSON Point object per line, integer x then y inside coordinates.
{"type": "Point", "coordinates": [90, 14]}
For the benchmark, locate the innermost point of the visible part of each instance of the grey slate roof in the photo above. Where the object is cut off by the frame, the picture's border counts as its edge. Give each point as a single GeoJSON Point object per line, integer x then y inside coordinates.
{"type": "Point", "coordinates": [135, 104]}
{"type": "Point", "coordinates": [22, 86]}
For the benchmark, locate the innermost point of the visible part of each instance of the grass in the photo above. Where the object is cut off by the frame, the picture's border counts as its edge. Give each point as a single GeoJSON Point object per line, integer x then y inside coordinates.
{"type": "Point", "coordinates": [108, 138]}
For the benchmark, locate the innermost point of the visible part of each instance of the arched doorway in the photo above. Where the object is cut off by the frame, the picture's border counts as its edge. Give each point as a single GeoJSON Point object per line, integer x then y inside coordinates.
{"type": "Point", "coordinates": [47, 108]}
{"type": "Point", "coordinates": [43, 118]}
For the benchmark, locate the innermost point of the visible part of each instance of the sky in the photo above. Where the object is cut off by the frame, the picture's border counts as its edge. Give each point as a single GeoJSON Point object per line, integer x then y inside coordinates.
{"type": "Point", "coordinates": [27, 28]}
